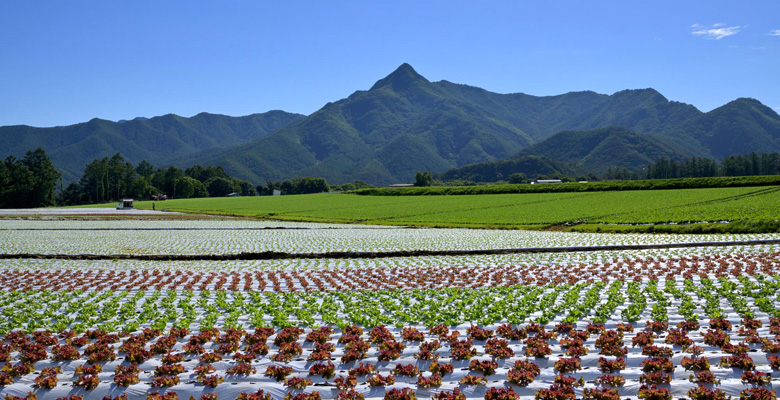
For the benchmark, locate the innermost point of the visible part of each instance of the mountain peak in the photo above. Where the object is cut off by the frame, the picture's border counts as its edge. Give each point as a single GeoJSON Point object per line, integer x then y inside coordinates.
{"type": "Point", "coordinates": [744, 103]}
{"type": "Point", "coordinates": [746, 100]}
{"type": "Point", "coordinates": [649, 93]}
{"type": "Point", "coordinates": [400, 79]}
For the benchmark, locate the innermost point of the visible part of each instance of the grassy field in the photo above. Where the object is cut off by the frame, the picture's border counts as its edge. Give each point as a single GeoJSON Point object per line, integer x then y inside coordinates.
{"type": "Point", "coordinates": [754, 209]}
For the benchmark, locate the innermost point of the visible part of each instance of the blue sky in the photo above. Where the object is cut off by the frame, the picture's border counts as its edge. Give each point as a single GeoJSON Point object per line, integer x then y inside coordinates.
{"type": "Point", "coordinates": [63, 62]}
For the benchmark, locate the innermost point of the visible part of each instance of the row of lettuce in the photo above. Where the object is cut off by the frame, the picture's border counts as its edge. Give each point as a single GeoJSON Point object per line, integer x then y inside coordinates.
{"type": "Point", "coordinates": [622, 301]}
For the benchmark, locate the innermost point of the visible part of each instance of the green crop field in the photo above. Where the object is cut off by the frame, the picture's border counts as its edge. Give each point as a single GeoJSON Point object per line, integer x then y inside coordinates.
{"type": "Point", "coordinates": [528, 210]}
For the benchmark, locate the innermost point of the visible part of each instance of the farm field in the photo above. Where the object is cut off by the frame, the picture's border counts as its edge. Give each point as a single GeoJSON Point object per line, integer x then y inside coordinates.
{"type": "Point", "coordinates": [108, 237]}
{"type": "Point", "coordinates": [700, 321]}
{"type": "Point", "coordinates": [503, 210]}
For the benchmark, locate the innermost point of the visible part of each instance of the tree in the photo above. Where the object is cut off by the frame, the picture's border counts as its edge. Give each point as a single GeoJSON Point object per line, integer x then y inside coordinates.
{"type": "Point", "coordinates": [269, 188]}
{"type": "Point", "coordinates": [72, 195]}
{"type": "Point", "coordinates": [205, 173]}
{"type": "Point", "coordinates": [200, 190]}
{"type": "Point", "coordinates": [518, 177]}
{"type": "Point", "coordinates": [121, 175]}
{"type": "Point", "coordinates": [144, 169]}
{"type": "Point", "coordinates": [244, 188]}
{"type": "Point", "coordinates": [5, 184]}
{"type": "Point", "coordinates": [305, 185]}
{"type": "Point", "coordinates": [185, 188]}
{"type": "Point", "coordinates": [45, 178]}
{"type": "Point", "coordinates": [220, 187]}
{"type": "Point", "coordinates": [188, 187]}
{"type": "Point", "coordinates": [423, 179]}
{"type": "Point", "coordinates": [165, 179]}
{"type": "Point", "coordinates": [346, 187]}
{"type": "Point", "coordinates": [142, 188]}
{"type": "Point", "coordinates": [20, 182]}
{"type": "Point", "coordinates": [619, 174]}
{"type": "Point", "coordinates": [93, 182]}
{"type": "Point", "coordinates": [108, 179]}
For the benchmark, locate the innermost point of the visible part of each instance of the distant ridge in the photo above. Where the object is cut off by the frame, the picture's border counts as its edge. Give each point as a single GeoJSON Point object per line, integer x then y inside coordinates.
{"type": "Point", "coordinates": [597, 149]}
{"type": "Point", "coordinates": [156, 140]}
{"type": "Point", "coordinates": [404, 123]}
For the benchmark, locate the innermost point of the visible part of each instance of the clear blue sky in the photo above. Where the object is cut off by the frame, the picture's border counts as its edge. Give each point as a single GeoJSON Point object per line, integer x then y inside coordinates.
{"type": "Point", "coordinates": [63, 62]}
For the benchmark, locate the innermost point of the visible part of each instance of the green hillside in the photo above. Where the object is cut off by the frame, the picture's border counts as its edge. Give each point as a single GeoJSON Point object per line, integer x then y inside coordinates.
{"type": "Point", "coordinates": [156, 139]}
{"type": "Point", "coordinates": [596, 150]}
{"type": "Point", "coordinates": [739, 127]}
{"type": "Point", "coordinates": [494, 171]}
{"type": "Point", "coordinates": [405, 123]}
{"type": "Point", "coordinates": [577, 153]}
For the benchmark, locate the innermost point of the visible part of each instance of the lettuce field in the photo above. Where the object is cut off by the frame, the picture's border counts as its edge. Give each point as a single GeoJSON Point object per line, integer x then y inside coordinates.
{"type": "Point", "coordinates": [98, 305]}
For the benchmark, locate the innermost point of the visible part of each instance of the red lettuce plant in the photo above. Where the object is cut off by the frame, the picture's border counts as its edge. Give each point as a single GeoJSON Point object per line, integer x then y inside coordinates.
{"type": "Point", "coordinates": [611, 366]}
{"type": "Point", "coordinates": [379, 380]}
{"type": "Point", "coordinates": [758, 393]}
{"type": "Point", "coordinates": [432, 381]}
{"type": "Point", "coordinates": [611, 380]}
{"type": "Point", "coordinates": [400, 394]}
{"type": "Point", "coordinates": [486, 367]}
{"type": "Point", "coordinates": [455, 394]}
{"type": "Point", "coordinates": [657, 377]}
{"type": "Point", "coordinates": [757, 378]}
{"type": "Point", "coordinates": [600, 394]}
{"type": "Point", "coordinates": [706, 377]}
{"type": "Point", "coordinates": [695, 363]}
{"type": "Point", "coordinates": [278, 372]}
{"type": "Point", "coordinates": [500, 394]}
{"type": "Point", "coordinates": [705, 393]}
{"type": "Point", "coordinates": [325, 370]}
{"type": "Point", "coordinates": [567, 365]}
{"type": "Point", "coordinates": [653, 392]}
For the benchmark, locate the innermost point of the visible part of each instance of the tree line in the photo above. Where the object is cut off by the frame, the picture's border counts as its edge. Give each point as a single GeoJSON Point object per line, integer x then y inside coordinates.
{"type": "Point", "coordinates": [32, 180]}
{"type": "Point", "coordinates": [308, 185]}
{"type": "Point", "coordinates": [742, 165]}
{"type": "Point", "coordinates": [700, 167]}
{"type": "Point", "coordinates": [113, 178]}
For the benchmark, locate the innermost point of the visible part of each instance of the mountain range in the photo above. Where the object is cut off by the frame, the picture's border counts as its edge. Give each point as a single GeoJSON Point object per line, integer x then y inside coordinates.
{"type": "Point", "coordinates": [156, 140]}
{"type": "Point", "coordinates": [404, 123]}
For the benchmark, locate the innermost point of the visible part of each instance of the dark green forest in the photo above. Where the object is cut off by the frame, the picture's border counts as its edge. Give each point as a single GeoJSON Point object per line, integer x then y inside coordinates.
{"type": "Point", "coordinates": [33, 182]}
{"type": "Point", "coordinates": [29, 182]}
{"type": "Point", "coordinates": [113, 178]}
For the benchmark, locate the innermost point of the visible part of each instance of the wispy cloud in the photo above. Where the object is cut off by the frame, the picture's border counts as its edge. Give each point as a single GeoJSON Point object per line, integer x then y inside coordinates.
{"type": "Point", "coordinates": [715, 31]}
{"type": "Point", "coordinates": [775, 32]}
